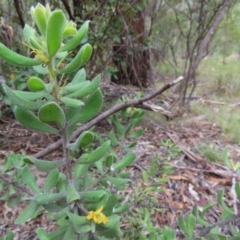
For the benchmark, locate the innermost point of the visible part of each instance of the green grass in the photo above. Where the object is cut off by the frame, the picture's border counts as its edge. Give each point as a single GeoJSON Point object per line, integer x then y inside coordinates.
{"type": "Point", "coordinates": [220, 75]}
{"type": "Point", "coordinates": [210, 152]}
{"type": "Point", "coordinates": [220, 81]}
{"type": "Point", "coordinates": [226, 117]}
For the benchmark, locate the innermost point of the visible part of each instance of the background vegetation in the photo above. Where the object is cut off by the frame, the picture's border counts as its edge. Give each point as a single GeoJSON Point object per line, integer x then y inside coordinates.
{"type": "Point", "coordinates": [197, 39]}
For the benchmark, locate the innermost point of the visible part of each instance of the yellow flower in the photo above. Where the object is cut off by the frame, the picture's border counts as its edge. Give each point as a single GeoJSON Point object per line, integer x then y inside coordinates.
{"type": "Point", "coordinates": [97, 216]}
{"type": "Point", "coordinates": [11, 76]}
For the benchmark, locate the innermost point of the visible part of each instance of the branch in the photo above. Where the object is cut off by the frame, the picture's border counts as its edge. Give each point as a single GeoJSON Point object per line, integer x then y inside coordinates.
{"type": "Point", "coordinates": [208, 37]}
{"type": "Point", "coordinates": [154, 10]}
{"type": "Point", "coordinates": [97, 181]}
{"type": "Point", "coordinates": [19, 12]}
{"type": "Point", "coordinates": [207, 229]}
{"type": "Point", "coordinates": [201, 45]}
{"type": "Point", "coordinates": [67, 8]}
{"type": "Point", "coordinates": [11, 182]}
{"type": "Point", "coordinates": [104, 115]}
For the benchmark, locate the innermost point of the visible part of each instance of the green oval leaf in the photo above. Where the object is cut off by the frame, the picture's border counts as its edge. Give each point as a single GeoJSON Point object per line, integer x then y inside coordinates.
{"type": "Point", "coordinates": [206, 208]}
{"type": "Point", "coordinates": [42, 234]}
{"type": "Point", "coordinates": [37, 45]}
{"type": "Point", "coordinates": [76, 40]}
{"type": "Point", "coordinates": [62, 182]}
{"type": "Point", "coordinates": [49, 197]}
{"type": "Point", "coordinates": [89, 110]}
{"type": "Point", "coordinates": [55, 28]}
{"type": "Point", "coordinates": [28, 32]}
{"type": "Point", "coordinates": [27, 213]}
{"type": "Point", "coordinates": [182, 224]}
{"type": "Point", "coordinates": [60, 214]}
{"type": "Point", "coordinates": [51, 180]}
{"type": "Point", "coordinates": [111, 228]}
{"type": "Point", "coordinates": [80, 170]}
{"type": "Point", "coordinates": [40, 18]}
{"type": "Point", "coordinates": [81, 58]}
{"type": "Point", "coordinates": [237, 190]}
{"type": "Point", "coordinates": [51, 112]}
{"type": "Point", "coordinates": [84, 91]}
{"type": "Point", "coordinates": [121, 208]}
{"type": "Point", "coordinates": [71, 88]}
{"type": "Point", "coordinates": [30, 120]}
{"type": "Point", "coordinates": [35, 84]}
{"type": "Point", "coordinates": [92, 196]}
{"type": "Point", "coordinates": [126, 161]}
{"type": "Point", "coordinates": [61, 55]}
{"type": "Point", "coordinates": [79, 77]}
{"type": "Point", "coordinates": [109, 160]}
{"type": "Point", "coordinates": [228, 210]}
{"type": "Point", "coordinates": [76, 218]}
{"type": "Point", "coordinates": [70, 112]}
{"type": "Point", "coordinates": [69, 31]}
{"type": "Point", "coordinates": [30, 95]}
{"type": "Point", "coordinates": [72, 102]}
{"type": "Point", "coordinates": [21, 101]}
{"type": "Point", "coordinates": [83, 140]}
{"type": "Point", "coordinates": [43, 165]}
{"type": "Point", "coordinates": [190, 223]}
{"type": "Point", "coordinates": [29, 179]}
{"type": "Point", "coordinates": [58, 233]}
{"type": "Point", "coordinates": [117, 181]}
{"type": "Point", "coordinates": [69, 234]}
{"type": "Point", "coordinates": [168, 233]}
{"type": "Point", "coordinates": [41, 69]}
{"type": "Point", "coordinates": [15, 58]}
{"type": "Point", "coordinates": [94, 155]}
{"type": "Point", "coordinates": [111, 202]}
{"type": "Point", "coordinates": [72, 193]}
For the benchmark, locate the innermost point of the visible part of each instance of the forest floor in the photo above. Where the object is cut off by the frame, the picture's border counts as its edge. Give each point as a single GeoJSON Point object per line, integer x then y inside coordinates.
{"type": "Point", "coordinates": [192, 145]}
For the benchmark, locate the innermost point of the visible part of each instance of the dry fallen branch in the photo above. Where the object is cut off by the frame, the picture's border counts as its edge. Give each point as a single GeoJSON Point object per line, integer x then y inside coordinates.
{"type": "Point", "coordinates": [219, 103]}
{"type": "Point", "coordinates": [194, 157]}
{"type": "Point", "coordinates": [104, 115]}
{"type": "Point", "coordinates": [211, 102]}
{"type": "Point", "coordinates": [225, 174]}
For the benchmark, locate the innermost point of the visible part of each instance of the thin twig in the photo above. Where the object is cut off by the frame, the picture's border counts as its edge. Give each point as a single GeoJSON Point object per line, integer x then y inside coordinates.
{"type": "Point", "coordinates": [20, 188]}
{"type": "Point", "coordinates": [233, 191]}
{"type": "Point", "coordinates": [206, 230]}
{"type": "Point", "coordinates": [82, 209]}
{"type": "Point", "coordinates": [97, 181]}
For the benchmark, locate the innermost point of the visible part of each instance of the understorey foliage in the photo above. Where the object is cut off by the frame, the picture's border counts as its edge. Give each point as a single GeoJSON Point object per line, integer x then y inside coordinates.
{"type": "Point", "coordinates": [80, 193]}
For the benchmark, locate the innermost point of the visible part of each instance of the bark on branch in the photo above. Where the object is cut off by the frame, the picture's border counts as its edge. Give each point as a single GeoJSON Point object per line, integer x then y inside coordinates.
{"type": "Point", "coordinates": [201, 47]}
{"type": "Point", "coordinates": [206, 230]}
{"type": "Point", "coordinates": [19, 12]}
{"type": "Point", "coordinates": [208, 37]}
{"type": "Point", "coordinates": [104, 115]}
{"type": "Point", "coordinates": [68, 9]}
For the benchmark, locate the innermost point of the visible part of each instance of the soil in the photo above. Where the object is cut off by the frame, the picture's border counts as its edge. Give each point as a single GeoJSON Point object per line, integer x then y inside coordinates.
{"type": "Point", "coordinates": [195, 180]}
